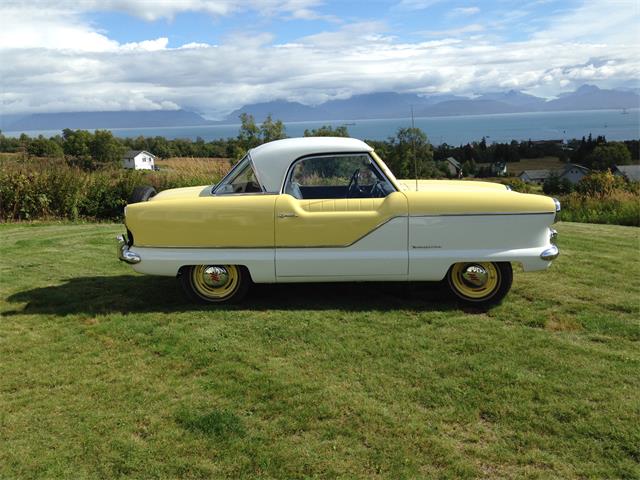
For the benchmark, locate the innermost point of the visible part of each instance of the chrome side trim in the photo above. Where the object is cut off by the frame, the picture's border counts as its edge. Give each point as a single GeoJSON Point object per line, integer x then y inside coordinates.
{"type": "Point", "coordinates": [550, 253]}
{"type": "Point", "coordinates": [482, 214]}
{"type": "Point", "coordinates": [553, 235]}
{"type": "Point", "coordinates": [124, 254]}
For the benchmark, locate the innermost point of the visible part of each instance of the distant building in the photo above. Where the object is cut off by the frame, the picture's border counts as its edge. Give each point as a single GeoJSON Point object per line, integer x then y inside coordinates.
{"type": "Point", "coordinates": [534, 176]}
{"type": "Point", "coordinates": [453, 167]}
{"type": "Point", "coordinates": [574, 173]}
{"type": "Point", "coordinates": [571, 172]}
{"type": "Point", "coordinates": [496, 169]}
{"type": "Point", "coordinates": [139, 160]}
{"type": "Point", "coordinates": [630, 172]}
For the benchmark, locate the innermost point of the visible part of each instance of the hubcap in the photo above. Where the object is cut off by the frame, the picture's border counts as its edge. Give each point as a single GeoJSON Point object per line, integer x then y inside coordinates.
{"type": "Point", "coordinates": [215, 276]}
{"type": "Point", "coordinates": [475, 281]}
{"type": "Point", "coordinates": [215, 282]}
{"type": "Point", "coordinates": [475, 275]}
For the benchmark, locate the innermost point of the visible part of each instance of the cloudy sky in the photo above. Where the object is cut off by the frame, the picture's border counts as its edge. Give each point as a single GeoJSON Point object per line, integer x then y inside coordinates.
{"type": "Point", "coordinates": [212, 56]}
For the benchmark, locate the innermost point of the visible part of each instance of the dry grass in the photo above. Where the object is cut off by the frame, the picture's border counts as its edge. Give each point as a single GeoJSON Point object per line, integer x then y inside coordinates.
{"type": "Point", "coordinates": [216, 167]}
{"type": "Point", "coordinates": [544, 163]}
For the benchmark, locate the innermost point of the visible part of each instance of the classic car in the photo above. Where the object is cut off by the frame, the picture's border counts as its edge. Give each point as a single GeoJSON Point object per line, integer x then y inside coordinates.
{"type": "Point", "coordinates": [324, 209]}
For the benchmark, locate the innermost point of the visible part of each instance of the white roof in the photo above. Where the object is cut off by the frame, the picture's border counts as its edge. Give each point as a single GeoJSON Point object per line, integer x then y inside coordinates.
{"type": "Point", "coordinates": [272, 160]}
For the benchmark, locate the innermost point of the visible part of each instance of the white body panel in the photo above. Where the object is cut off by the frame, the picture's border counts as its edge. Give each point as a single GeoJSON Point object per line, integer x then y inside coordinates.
{"type": "Point", "coordinates": [383, 252]}
{"type": "Point", "coordinates": [167, 261]}
{"type": "Point", "coordinates": [420, 248]}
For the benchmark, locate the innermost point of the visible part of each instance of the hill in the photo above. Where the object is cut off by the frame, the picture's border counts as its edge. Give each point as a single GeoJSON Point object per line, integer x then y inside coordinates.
{"type": "Point", "coordinates": [116, 119]}
{"type": "Point", "coordinates": [373, 105]}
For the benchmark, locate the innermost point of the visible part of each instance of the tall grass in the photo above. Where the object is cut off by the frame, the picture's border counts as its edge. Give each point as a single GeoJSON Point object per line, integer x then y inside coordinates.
{"type": "Point", "coordinates": [53, 189]}
{"type": "Point", "coordinates": [616, 208]}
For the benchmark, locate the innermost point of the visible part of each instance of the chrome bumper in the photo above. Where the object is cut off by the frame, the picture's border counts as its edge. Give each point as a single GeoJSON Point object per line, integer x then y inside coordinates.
{"type": "Point", "coordinates": [123, 251]}
{"type": "Point", "coordinates": [552, 252]}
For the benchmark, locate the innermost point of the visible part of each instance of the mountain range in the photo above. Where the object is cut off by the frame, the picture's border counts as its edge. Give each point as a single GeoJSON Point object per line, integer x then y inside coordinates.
{"type": "Point", "coordinates": [373, 105]}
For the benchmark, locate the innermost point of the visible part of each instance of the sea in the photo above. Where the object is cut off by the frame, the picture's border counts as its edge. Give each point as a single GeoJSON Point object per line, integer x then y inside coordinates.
{"type": "Point", "coordinates": [453, 130]}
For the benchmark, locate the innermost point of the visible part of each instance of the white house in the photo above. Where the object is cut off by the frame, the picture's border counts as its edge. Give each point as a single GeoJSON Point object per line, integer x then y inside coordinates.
{"type": "Point", "coordinates": [139, 160]}
{"type": "Point", "coordinates": [574, 173]}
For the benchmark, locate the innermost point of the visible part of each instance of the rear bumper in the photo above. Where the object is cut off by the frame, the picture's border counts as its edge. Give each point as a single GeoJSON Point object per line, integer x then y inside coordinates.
{"type": "Point", "coordinates": [124, 254]}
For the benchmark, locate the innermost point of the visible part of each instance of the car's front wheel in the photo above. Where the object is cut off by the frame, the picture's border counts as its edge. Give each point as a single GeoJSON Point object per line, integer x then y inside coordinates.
{"type": "Point", "coordinates": [215, 283]}
{"type": "Point", "coordinates": [480, 283]}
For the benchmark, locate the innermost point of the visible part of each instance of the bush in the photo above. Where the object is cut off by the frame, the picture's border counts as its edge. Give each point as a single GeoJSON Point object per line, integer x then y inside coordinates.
{"type": "Point", "coordinates": [57, 190]}
{"type": "Point", "coordinates": [618, 208]}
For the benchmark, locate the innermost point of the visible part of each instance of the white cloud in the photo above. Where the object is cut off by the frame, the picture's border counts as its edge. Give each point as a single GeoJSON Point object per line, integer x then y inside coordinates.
{"type": "Point", "coordinates": [465, 11]}
{"type": "Point", "coordinates": [61, 63]}
{"type": "Point", "coordinates": [417, 4]}
{"type": "Point", "coordinates": [456, 32]}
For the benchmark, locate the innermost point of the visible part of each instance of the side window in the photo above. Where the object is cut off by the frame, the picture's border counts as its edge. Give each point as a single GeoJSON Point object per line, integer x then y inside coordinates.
{"type": "Point", "coordinates": [337, 176]}
{"type": "Point", "coordinates": [242, 179]}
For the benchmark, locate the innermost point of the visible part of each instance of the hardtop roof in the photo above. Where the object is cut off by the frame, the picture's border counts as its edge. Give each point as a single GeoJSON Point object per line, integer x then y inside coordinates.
{"type": "Point", "coordinates": [272, 160]}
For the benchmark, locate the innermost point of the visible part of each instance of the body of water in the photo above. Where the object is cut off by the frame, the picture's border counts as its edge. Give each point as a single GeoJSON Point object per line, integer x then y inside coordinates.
{"type": "Point", "coordinates": [455, 130]}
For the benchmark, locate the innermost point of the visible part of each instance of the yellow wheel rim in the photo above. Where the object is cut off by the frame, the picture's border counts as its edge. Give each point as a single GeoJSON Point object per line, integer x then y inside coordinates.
{"type": "Point", "coordinates": [215, 282]}
{"type": "Point", "coordinates": [472, 285]}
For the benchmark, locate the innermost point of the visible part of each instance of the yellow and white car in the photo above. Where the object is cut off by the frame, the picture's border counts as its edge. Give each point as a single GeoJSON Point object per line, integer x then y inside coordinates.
{"type": "Point", "coordinates": [329, 210]}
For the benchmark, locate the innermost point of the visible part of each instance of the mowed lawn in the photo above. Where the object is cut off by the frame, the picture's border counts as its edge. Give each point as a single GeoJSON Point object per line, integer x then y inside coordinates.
{"type": "Point", "coordinates": [106, 374]}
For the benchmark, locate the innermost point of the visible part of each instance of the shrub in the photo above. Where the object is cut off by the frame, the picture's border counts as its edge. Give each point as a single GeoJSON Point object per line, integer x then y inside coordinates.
{"type": "Point", "coordinates": [619, 207]}
{"type": "Point", "coordinates": [33, 190]}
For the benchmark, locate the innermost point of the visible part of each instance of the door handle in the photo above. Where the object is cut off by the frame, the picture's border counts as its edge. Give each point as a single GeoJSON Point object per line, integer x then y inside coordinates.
{"type": "Point", "coordinates": [287, 215]}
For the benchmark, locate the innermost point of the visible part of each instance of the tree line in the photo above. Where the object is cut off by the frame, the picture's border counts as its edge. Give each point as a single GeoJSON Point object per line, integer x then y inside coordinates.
{"type": "Point", "coordinates": [408, 152]}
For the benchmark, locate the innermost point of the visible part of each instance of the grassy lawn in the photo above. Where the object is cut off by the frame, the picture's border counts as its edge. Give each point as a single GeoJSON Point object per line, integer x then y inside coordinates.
{"type": "Point", "coordinates": [105, 373]}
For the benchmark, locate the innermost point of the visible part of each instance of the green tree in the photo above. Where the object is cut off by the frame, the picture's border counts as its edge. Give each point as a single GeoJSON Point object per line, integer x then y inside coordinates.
{"type": "Point", "coordinates": [410, 148]}
{"type": "Point", "coordinates": [105, 148]}
{"type": "Point", "coordinates": [609, 155]}
{"type": "Point", "coordinates": [42, 147]}
{"type": "Point", "coordinates": [271, 130]}
{"type": "Point", "coordinates": [249, 135]}
{"type": "Point", "coordinates": [327, 131]}
{"type": "Point", "coordinates": [76, 143]}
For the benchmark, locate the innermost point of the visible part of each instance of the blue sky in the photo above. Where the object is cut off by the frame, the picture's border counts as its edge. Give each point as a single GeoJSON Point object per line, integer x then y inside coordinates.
{"type": "Point", "coordinates": [407, 21]}
{"type": "Point", "coordinates": [213, 56]}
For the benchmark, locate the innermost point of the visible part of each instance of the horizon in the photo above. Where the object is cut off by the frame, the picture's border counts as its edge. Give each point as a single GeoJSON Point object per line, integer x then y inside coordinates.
{"type": "Point", "coordinates": [215, 57]}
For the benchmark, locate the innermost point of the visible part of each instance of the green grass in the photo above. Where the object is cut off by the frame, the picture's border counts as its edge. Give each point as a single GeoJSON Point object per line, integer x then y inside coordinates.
{"type": "Point", "coordinates": [107, 374]}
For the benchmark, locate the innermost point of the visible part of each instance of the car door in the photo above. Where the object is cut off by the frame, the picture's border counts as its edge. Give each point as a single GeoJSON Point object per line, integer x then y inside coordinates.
{"type": "Point", "coordinates": [339, 217]}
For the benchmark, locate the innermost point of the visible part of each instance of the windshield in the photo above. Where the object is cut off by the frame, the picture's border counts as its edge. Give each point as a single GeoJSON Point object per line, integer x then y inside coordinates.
{"type": "Point", "coordinates": [241, 179]}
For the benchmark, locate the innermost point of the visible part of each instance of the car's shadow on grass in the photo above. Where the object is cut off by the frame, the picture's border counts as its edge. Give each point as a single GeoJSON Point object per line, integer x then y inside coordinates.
{"type": "Point", "coordinates": [132, 293]}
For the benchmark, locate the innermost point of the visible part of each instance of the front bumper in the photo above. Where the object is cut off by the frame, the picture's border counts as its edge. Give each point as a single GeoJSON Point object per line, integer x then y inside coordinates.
{"type": "Point", "coordinates": [552, 252]}
{"type": "Point", "coordinates": [124, 254]}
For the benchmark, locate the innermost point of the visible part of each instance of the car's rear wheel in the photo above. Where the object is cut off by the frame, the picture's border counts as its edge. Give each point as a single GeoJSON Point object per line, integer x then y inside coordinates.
{"type": "Point", "coordinates": [480, 283]}
{"type": "Point", "coordinates": [215, 283]}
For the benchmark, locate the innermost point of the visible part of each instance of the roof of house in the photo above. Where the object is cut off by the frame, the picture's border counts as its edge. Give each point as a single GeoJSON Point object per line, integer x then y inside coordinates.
{"type": "Point", "coordinates": [569, 166]}
{"type": "Point", "coordinates": [271, 160]}
{"type": "Point", "coordinates": [632, 172]}
{"type": "Point", "coordinates": [453, 162]}
{"type": "Point", "coordinates": [536, 174]}
{"type": "Point", "coordinates": [134, 153]}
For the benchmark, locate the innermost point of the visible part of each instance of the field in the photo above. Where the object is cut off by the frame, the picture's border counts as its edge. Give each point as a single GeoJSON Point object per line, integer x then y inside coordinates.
{"type": "Point", "coordinates": [215, 167]}
{"type": "Point", "coordinates": [108, 374]}
{"type": "Point", "coordinates": [545, 163]}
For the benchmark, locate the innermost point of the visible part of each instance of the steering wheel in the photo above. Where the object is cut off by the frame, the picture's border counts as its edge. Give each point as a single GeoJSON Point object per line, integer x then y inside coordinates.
{"type": "Point", "coordinates": [353, 183]}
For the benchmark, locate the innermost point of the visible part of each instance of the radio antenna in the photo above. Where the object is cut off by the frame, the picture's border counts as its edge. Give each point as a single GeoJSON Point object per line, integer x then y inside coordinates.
{"type": "Point", "coordinates": [413, 148]}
